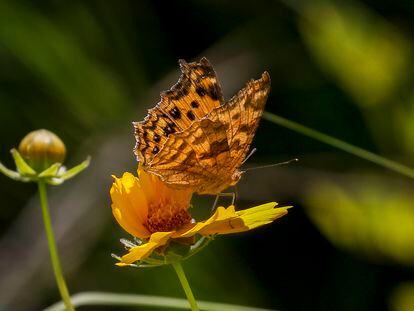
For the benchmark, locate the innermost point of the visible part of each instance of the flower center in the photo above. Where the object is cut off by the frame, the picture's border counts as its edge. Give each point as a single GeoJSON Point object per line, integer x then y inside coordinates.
{"type": "Point", "coordinates": [166, 216]}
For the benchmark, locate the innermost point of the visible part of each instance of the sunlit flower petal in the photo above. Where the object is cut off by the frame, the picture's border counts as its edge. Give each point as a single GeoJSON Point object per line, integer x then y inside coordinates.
{"type": "Point", "coordinates": [142, 251]}
{"type": "Point", "coordinates": [227, 220]}
{"type": "Point", "coordinates": [262, 215]}
{"type": "Point", "coordinates": [128, 205]}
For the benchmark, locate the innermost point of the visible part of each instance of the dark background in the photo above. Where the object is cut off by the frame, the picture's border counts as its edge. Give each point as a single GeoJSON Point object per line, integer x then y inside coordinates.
{"type": "Point", "coordinates": [86, 69]}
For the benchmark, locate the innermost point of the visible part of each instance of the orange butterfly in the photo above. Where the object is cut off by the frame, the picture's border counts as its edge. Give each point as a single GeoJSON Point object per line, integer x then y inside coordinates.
{"type": "Point", "coordinates": [194, 139]}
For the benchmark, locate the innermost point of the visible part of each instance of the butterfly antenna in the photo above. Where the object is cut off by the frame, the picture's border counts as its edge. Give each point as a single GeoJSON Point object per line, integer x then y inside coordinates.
{"type": "Point", "coordinates": [252, 152]}
{"type": "Point", "coordinates": [271, 165]}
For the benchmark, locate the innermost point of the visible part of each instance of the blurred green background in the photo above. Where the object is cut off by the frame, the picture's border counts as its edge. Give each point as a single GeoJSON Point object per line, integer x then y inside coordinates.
{"type": "Point", "coordinates": [86, 70]}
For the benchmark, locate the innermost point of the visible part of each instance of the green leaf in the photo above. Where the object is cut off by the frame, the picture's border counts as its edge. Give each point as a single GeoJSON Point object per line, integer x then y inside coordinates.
{"type": "Point", "coordinates": [21, 164]}
{"type": "Point", "coordinates": [75, 170]}
{"type": "Point", "coordinates": [51, 171]}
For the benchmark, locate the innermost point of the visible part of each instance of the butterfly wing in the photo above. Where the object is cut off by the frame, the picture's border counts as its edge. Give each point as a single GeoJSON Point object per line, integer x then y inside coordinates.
{"type": "Point", "coordinates": [196, 94]}
{"type": "Point", "coordinates": [242, 113]}
{"type": "Point", "coordinates": [190, 158]}
{"type": "Point", "coordinates": [206, 155]}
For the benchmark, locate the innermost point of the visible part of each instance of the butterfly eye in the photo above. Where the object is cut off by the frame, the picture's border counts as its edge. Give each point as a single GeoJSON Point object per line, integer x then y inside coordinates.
{"type": "Point", "coordinates": [236, 177]}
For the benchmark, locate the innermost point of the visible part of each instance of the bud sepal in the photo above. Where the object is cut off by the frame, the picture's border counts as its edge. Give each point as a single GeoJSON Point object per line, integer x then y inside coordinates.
{"type": "Point", "coordinates": [55, 174]}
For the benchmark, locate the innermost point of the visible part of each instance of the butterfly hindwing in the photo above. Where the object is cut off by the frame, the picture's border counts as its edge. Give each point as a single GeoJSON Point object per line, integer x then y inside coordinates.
{"type": "Point", "coordinates": [245, 109]}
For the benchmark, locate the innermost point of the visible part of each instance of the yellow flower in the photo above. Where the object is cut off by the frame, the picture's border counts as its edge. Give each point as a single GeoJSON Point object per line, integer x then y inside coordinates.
{"type": "Point", "coordinates": [150, 210]}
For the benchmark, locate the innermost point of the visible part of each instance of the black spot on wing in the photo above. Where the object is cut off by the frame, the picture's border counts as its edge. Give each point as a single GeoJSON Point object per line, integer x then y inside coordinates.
{"type": "Point", "coordinates": [208, 71]}
{"type": "Point", "coordinates": [236, 116]}
{"type": "Point", "coordinates": [151, 126]}
{"type": "Point", "coordinates": [244, 128]}
{"type": "Point", "coordinates": [175, 113]}
{"type": "Point", "coordinates": [201, 91]}
{"type": "Point", "coordinates": [191, 115]}
{"type": "Point", "coordinates": [169, 129]}
{"type": "Point", "coordinates": [213, 92]}
{"type": "Point", "coordinates": [179, 90]}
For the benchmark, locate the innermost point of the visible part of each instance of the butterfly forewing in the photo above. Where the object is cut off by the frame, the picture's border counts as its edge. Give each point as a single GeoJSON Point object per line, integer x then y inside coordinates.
{"type": "Point", "coordinates": [196, 94]}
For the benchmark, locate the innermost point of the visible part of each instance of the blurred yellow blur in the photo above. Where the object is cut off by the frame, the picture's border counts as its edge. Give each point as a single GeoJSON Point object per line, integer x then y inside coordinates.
{"type": "Point", "coordinates": [402, 299]}
{"type": "Point", "coordinates": [367, 215]}
{"type": "Point", "coordinates": [367, 56]}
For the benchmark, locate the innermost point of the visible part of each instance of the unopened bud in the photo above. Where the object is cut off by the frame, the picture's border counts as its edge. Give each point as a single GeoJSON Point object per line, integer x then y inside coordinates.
{"type": "Point", "coordinates": [41, 149]}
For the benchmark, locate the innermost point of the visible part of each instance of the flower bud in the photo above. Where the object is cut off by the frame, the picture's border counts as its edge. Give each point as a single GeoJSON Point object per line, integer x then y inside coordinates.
{"type": "Point", "coordinates": [41, 149]}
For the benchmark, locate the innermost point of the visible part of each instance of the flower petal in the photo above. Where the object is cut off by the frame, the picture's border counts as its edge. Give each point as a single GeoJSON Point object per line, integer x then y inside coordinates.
{"type": "Point", "coordinates": [156, 190]}
{"type": "Point", "coordinates": [129, 205]}
{"type": "Point", "coordinates": [261, 215]}
{"type": "Point", "coordinates": [142, 251]}
{"type": "Point", "coordinates": [150, 183]}
{"type": "Point", "coordinates": [227, 220]}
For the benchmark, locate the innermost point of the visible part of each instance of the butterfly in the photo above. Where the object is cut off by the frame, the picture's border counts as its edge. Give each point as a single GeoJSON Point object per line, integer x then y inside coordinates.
{"type": "Point", "coordinates": [195, 139]}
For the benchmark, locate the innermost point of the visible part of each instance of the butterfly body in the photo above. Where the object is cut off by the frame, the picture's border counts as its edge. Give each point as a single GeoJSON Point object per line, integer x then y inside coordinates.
{"type": "Point", "coordinates": [193, 138]}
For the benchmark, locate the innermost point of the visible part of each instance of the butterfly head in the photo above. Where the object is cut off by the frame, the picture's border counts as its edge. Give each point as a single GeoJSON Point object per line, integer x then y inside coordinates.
{"type": "Point", "coordinates": [236, 177]}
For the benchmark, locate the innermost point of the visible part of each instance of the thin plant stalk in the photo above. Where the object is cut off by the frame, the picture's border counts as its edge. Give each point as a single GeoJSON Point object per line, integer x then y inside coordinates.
{"type": "Point", "coordinates": [168, 303]}
{"type": "Point", "coordinates": [186, 286]}
{"type": "Point", "coordinates": [54, 256]}
{"type": "Point", "coordinates": [337, 143]}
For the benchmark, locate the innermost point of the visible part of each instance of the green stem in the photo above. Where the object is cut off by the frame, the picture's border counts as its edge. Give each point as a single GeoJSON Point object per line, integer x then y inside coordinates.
{"type": "Point", "coordinates": [115, 299]}
{"type": "Point", "coordinates": [186, 286]}
{"type": "Point", "coordinates": [332, 141]}
{"type": "Point", "coordinates": [64, 293]}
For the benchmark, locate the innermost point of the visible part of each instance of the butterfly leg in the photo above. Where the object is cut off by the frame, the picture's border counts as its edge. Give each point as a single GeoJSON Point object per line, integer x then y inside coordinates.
{"type": "Point", "coordinates": [224, 194]}
{"type": "Point", "coordinates": [236, 194]}
{"type": "Point", "coordinates": [213, 208]}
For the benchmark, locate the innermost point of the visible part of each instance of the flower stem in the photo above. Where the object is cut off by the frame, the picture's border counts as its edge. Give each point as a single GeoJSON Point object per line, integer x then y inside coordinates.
{"type": "Point", "coordinates": [64, 293]}
{"type": "Point", "coordinates": [186, 286]}
{"type": "Point", "coordinates": [337, 143]}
